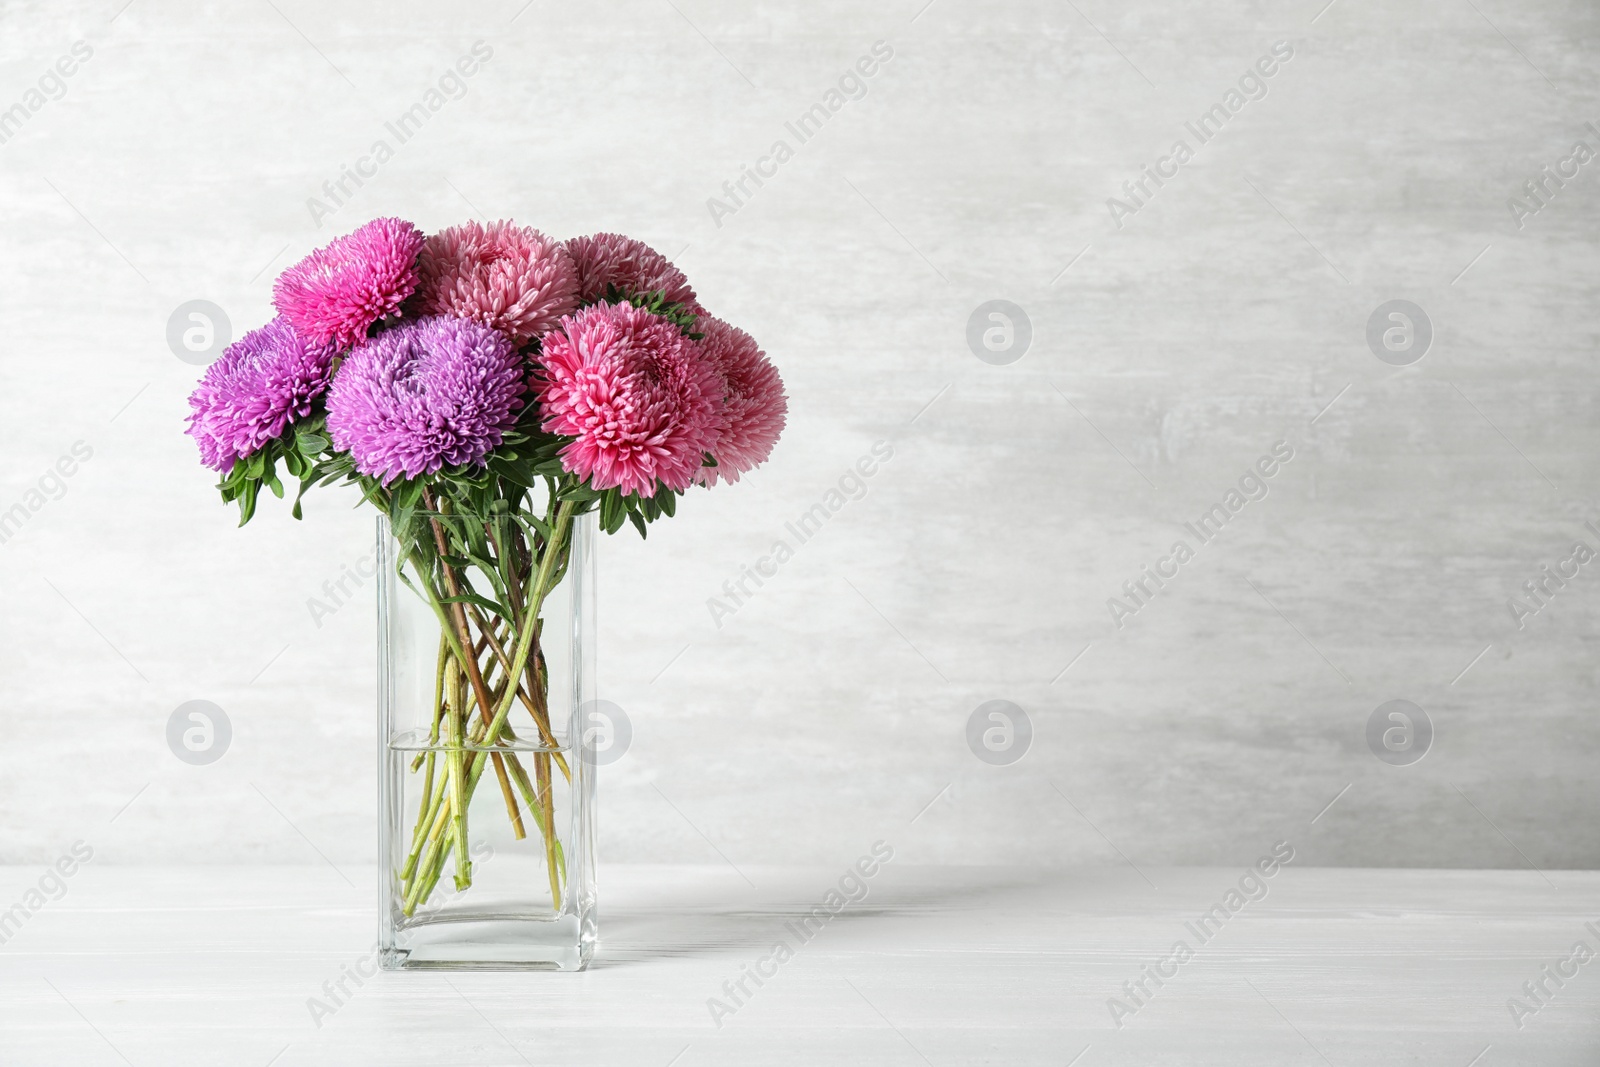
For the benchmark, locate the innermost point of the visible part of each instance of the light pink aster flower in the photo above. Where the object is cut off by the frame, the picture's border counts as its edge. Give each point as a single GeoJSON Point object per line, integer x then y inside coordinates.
{"type": "Point", "coordinates": [632, 266]}
{"type": "Point", "coordinates": [509, 277]}
{"type": "Point", "coordinates": [335, 293]}
{"type": "Point", "coordinates": [754, 408]}
{"type": "Point", "coordinates": [635, 393]}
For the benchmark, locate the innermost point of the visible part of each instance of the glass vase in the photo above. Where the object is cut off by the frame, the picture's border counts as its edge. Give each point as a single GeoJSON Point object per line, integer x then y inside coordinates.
{"type": "Point", "coordinates": [508, 881]}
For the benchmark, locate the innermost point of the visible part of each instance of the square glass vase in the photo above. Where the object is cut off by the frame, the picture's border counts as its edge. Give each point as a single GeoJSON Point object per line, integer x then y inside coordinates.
{"type": "Point", "coordinates": [511, 886]}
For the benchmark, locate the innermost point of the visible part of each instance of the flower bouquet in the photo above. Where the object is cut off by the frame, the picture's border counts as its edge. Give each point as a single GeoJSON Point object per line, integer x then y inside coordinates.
{"type": "Point", "coordinates": [491, 392]}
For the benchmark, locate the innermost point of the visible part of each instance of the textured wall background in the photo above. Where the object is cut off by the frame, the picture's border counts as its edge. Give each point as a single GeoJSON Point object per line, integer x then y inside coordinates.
{"type": "Point", "coordinates": [1226, 314]}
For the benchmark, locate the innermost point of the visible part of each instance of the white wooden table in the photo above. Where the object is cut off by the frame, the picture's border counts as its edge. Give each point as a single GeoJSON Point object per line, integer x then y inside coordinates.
{"type": "Point", "coordinates": [216, 966]}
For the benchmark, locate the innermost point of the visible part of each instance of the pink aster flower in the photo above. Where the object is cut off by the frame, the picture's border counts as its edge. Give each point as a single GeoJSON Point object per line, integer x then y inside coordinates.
{"type": "Point", "coordinates": [436, 392]}
{"type": "Point", "coordinates": [632, 266]}
{"type": "Point", "coordinates": [754, 407]}
{"type": "Point", "coordinates": [510, 277]}
{"type": "Point", "coordinates": [262, 382]}
{"type": "Point", "coordinates": [635, 393]}
{"type": "Point", "coordinates": [334, 294]}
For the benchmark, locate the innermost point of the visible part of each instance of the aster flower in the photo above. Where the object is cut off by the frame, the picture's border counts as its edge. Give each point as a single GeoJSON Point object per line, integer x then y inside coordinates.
{"type": "Point", "coordinates": [510, 277]}
{"type": "Point", "coordinates": [436, 392]}
{"type": "Point", "coordinates": [334, 294]}
{"type": "Point", "coordinates": [631, 266]}
{"type": "Point", "coordinates": [754, 407]}
{"type": "Point", "coordinates": [634, 391]}
{"type": "Point", "coordinates": [262, 382]}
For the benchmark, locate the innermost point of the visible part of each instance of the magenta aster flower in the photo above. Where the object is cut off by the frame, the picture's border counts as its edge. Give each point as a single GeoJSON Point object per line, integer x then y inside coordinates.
{"type": "Point", "coordinates": [754, 407]}
{"type": "Point", "coordinates": [262, 382]}
{"type": "Point", "coordinates": [503, 275]}
{"type": "Point", "coordinates": [635, 393]}
{"type": "Point", "coordinates": [337, 292]}
{"type": "Point", "coordinates": [436, 392]}
{"type": "Point", "coordinates": [632, 266]}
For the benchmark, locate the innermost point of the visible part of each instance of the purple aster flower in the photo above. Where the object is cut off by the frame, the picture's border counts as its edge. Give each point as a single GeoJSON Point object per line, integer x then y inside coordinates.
{"type": "Point", "coordinates": [337, 292]}
{"type": "Point", "coordinates": [440, 391]}
{"type": "Point", "coordinates": [264, 380]}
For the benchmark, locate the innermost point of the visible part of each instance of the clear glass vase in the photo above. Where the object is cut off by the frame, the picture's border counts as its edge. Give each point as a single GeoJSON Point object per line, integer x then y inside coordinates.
{"type": "Point", "coordinates": [509, 885]}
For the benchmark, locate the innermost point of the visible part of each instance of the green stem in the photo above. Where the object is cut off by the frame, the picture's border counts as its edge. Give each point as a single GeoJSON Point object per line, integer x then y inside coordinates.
{"type": "Point", "coordinates": [558, 869]}
{"type": "Point", "coordinates": [438, 703]}
{"type": "Point", "coordinates": [422, 883]}
{"type": "Point", "coordinates": [541, 589]}
{"type": "Point", "coordinates": [458, 810]}
{"type": "Point", "coordinates": [536, 708]}
{"type": "Point", "coordinates": [425, 812]}
{"type": "Point", "coordinates": [549, 563]}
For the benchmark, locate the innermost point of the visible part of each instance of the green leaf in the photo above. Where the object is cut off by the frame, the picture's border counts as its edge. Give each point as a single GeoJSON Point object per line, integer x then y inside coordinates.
{"type": "Point", "coordinates": [534, 524]}
{"type": "Point", "coordinates": [481, 601]}
{"type": "Point", "coordinates": [580, 493]}
{"type": "Point", "coordinates": [247, 501]}
{"type": "Point", "coordinates": [408, 492]}
{"type": "Point", "coordinates": [613, 513]}
{"type": "Point", "coordinates": [513, 470]}
{"type": "Point", "coordinates": [310, 443]}
{"type": "Point", "coordinates": [305, 483]}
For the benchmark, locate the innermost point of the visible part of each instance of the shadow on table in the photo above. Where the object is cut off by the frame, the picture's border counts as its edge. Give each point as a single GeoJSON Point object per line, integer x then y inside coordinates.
{"type": "Point", "coordinates": [640, 933]}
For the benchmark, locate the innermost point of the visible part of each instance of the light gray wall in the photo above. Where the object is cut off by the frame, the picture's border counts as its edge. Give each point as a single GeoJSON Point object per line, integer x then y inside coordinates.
{"type": "Point", "coordinates": [1227, 314]}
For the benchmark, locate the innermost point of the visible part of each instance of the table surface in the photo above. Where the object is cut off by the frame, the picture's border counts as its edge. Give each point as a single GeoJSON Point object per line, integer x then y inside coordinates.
{"type": "Point", "coordinates": [219, 965]}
